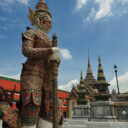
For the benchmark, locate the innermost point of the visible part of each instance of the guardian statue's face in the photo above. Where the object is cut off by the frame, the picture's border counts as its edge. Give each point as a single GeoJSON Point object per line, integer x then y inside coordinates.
{"type": "Point", "coordinates": [41, 18]}
{"type": "Point", "coordinates": [43, 21]}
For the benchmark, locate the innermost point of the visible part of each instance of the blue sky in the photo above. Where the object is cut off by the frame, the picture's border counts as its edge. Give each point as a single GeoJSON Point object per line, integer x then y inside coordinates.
{"type": "Point", "coordinates": [100, 25]}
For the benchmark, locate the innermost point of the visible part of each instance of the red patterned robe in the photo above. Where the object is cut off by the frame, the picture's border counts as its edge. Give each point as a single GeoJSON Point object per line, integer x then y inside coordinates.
{"type": "Point", "coordinates": [36, 87]}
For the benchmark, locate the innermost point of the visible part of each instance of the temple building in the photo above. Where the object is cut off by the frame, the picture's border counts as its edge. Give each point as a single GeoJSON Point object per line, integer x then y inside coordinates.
{"type": "Point", "coordinates": [89, 89]}
{"type": "Point", "coordinates": [91, 92]}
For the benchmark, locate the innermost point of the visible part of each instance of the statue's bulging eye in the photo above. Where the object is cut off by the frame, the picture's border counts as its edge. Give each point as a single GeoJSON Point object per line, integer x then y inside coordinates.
{"type": "Point", "coordinates": [40, 18]}
{"type": "Point", "coordinates": [45, 17]}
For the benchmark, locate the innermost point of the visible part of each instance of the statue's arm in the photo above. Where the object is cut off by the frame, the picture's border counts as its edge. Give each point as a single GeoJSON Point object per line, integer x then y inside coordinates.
{"type": "Point", "coordinates": [34, 53]}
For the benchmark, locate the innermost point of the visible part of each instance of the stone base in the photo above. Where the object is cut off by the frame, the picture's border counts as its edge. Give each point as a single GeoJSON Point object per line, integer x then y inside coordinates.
{"type": "Point", "coordinates": [103, 111]}
{"type": "Point", "coordinates": [44, 124]}
{"type": "Point", "coordinates": [82, 112]}
{"type": "Point", "coordinates": [29, 126]}
{"type": "Point", "coordinates": [73, 123]}
{"type": "Point", "coordinates": [1, 123]}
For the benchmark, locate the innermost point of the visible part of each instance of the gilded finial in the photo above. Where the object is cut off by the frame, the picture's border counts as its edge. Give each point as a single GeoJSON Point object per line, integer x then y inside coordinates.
{"type": "Point", "coordinates": [88, 59]}
{"type": "Point", "coordinates": [81, 77]}
{"type": "Point", "coordinates": [99, 60]}
{"type": "Point", "coordinates": [81, 74]}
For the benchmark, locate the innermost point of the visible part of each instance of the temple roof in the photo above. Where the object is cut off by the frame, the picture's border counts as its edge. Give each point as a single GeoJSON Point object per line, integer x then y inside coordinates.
{"type": "Point", "coordinates": [73, 93]}
{"type": "Point", "coordinates": [84, 86]}
{"type": "Point", "coordinates": [89, 78]}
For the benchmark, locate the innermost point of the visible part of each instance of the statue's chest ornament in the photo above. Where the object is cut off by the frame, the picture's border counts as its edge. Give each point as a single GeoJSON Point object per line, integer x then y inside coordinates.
{"type": "Point", "coordinates": [41, 40]}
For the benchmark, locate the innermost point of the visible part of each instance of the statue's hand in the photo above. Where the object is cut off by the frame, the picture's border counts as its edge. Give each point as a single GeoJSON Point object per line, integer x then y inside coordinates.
{"type": "Point", "coordinates": [56, 54]}
{"type": "Point", "coordinates": [55, 50]}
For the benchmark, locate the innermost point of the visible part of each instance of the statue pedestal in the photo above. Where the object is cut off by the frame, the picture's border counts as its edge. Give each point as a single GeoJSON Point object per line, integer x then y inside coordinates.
{"type": "Point", "coordinates": [29, 126]}
{"type": "Point", "coordinates": [103, 111]}
{"type": "Point", "coordinates": [1, 123]}
{"type": "Point", "coordinates": [44, 124]}
{"type": "Point", "coordinates": [81, 111]}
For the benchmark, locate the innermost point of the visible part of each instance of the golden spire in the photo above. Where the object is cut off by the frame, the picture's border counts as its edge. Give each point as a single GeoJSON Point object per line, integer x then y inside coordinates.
{"type": "Point", "coordinates": [89, 66]}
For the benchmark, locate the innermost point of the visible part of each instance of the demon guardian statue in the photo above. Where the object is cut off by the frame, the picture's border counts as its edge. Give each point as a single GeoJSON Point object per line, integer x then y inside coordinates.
{"type": "Point", "coordinates": [37, 102]}
{"type": "Point", "coordinates": [36, 85]}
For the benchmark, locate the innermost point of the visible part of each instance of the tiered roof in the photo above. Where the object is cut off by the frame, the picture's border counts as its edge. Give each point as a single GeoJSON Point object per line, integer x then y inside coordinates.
{"type": "Point", "coordinates": [89, 78]}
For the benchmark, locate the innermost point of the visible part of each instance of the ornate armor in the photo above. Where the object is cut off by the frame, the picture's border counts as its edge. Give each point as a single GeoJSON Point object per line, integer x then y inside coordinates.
{"type": "Point", "coordinates": [10, 117]}
{"type": "Point", "coordinates": [36, 87]}
{"type": "Point", "coordinates": [36, 84]}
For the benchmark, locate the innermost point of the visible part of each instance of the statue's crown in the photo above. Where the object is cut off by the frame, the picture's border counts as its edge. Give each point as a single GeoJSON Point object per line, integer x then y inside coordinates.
{"type": "Point", "coordinates": [42, 6]}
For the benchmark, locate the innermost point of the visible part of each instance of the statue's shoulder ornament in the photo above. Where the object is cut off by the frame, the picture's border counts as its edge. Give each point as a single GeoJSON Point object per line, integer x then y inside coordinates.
{"type": "Point", "coordinates": [29, 34]}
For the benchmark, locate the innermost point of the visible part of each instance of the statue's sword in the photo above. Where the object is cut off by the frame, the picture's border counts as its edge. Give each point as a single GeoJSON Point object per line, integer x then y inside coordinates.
{"type": "Point", "coordinates": [55, 64]}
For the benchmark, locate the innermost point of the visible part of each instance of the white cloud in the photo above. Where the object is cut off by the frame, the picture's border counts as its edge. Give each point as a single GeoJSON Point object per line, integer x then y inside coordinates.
{"type": "Point", "coordinates": [105, 8]}
{"type": "Point", "coordinates": [124, 1]}
{"type": "Point", "coordinates": [66, 54]}
{"type": "Point", "coordinates": [23, 1]}
{"type": "Point", "coordinates": [123, 82]}
{"type": "Point", "coordinates": [69, 85]}
{"type": "Point", "coordinates": [10, 23]}
{"type": "Point", "coordinates": [91, 15]}
{"type": "Point", "coordinates": [17, 76]}
{"type": "Point", "coordinates": [6, 3]}
{"type": "Point", "coordinates": [100, 9]}
{"type": "Point", "coordinates": [80, 4]}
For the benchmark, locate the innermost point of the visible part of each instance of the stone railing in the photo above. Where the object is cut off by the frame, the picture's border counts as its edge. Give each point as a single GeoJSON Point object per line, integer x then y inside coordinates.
{"type": "Point", "coordinates": [121, 111]}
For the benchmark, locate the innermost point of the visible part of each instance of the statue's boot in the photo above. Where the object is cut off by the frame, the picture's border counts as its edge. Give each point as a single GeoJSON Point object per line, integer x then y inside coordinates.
{"type": "Point", "coordinates": [44, 124]}
{"type": "Point", "coordinates": [34, 126]}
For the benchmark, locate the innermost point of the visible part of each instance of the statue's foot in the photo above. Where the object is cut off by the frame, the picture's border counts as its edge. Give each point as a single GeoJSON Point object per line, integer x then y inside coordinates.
{"type": "Point", "coordinates": [44, 124]}
{"type": "Point", "coordinates": [24, 126]}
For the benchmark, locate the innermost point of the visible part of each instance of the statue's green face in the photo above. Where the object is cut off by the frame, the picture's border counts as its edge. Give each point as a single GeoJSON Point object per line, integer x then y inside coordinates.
{"type": "Point", "coordinates": [43, 21]}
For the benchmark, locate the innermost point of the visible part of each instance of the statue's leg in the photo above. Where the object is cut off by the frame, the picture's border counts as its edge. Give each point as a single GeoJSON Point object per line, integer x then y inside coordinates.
{"type": "Point", "coordinates": [30, 115]}
{"type": "Point", "coordinates": [31, 87]}
{"type": "Point", "coordinates": [45, 119]}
